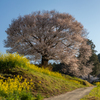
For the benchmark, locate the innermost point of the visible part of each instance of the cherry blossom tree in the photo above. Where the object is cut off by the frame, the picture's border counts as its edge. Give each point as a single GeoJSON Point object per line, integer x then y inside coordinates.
{"type": "Point", "coordinates": [47, 35]}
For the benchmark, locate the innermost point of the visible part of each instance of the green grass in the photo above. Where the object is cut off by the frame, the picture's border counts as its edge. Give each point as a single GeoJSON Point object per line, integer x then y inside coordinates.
{"type": "Point", "coordinates": [94, 94]}
{"type": "Point", "coordinates": [46, 83]}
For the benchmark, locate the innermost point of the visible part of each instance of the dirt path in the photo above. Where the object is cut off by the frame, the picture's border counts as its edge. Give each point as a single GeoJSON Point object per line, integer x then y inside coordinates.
{"type": "Point", "coordinates": [73, 95]}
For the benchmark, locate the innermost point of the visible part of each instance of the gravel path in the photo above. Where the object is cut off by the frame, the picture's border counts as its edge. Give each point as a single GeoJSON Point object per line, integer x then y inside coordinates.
{"type": "Point", "coordinates": [73, 95]}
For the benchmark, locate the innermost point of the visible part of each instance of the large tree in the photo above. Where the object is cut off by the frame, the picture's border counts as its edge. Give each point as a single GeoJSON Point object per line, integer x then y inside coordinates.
{"type": "Point", "coordinates": [47, 35]}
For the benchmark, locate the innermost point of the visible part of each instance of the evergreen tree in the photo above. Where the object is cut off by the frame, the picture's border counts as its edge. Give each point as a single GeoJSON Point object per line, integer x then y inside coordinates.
{"type": "Point", "coordinates": [99, 57]}
{"type": "Point", "coordinates": [94, 59]}
{"type": "Point", "coordinates": [96, 63]}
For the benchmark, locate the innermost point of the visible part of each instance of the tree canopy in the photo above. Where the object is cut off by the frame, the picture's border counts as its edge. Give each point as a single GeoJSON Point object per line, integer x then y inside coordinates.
{"type": "Point", "coordinates": [48, 35]}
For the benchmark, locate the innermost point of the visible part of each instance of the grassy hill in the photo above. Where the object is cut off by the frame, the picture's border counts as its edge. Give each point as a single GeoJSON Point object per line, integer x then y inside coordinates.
{"type": "Point", "coordinates": [20, 80]}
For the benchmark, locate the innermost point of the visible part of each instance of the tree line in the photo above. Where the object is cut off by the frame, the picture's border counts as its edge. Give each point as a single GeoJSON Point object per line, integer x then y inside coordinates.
{"type": "Point", "coordinates": [50, 35]}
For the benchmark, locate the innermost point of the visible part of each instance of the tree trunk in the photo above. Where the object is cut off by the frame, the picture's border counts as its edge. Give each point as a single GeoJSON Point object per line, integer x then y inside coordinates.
{"type": "Point", "coordinates": [88, 77]}
{"type": "Point", "coordinates": [44, 62]}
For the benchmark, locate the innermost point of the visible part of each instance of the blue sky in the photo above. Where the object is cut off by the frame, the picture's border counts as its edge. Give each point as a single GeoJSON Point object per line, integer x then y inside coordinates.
{"type": "Point", "coordinates": [85, 11]}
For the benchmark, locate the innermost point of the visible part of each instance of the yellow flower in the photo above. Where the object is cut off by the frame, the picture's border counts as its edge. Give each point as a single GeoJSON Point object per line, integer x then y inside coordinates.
{"type": "Point", "coordinates": [12, 85]}
{"type": "Point", "coordinates": [31, 80]}
{"type": "Point", "coordinates": [40, 82]}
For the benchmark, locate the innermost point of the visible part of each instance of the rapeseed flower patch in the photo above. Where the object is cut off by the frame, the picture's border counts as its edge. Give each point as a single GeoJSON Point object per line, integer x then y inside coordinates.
{"type": "Point", "coordinates": [21, 61]}
{"type": "Point", "coordinates": [97, 83]}
{"type": "Point", "coordinates": [10, 86]}
{"type": "Point", "coordinates": [45, 71]}
{"type": "Point", "coordinates": [12, 60]}
{"type": "Point", "coordinates": [74, 81]}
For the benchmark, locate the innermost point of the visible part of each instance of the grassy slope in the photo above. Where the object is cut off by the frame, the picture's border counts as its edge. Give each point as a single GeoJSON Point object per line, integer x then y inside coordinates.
{"type": "Point", "coordinates": [46, 83]}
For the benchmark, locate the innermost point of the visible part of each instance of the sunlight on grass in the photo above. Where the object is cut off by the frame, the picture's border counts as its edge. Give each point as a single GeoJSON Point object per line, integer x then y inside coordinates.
{"type": "Point", "coordinates": [94, 94]}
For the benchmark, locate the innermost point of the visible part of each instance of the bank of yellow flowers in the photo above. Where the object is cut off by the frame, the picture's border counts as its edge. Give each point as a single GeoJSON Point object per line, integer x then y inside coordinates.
{"type": "Point", "coordinates": [10, 85]}
{"type": "Point", "coordinates": [21, 61]}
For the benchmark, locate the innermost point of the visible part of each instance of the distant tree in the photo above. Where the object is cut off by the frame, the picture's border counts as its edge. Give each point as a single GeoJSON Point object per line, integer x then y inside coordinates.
{"type": "Point", "coordinates": [94, 59]}
{"type": "Point", "coordinates": [99, 57]}
{"type": "Point", "coordinates": [85, 65]}
{"type": "Point", "coordinates": [96, 64]}
{"type": "Point", "coordinates": [81, 64]}
{"type": "Point", "coordinates": [47, 35]}
{"type": "Point", "coordinates": [89, 42]}
{"type": "Point", "coordinates": [92, 64]}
